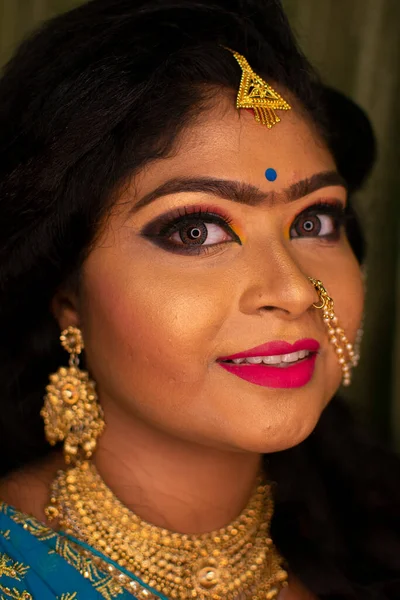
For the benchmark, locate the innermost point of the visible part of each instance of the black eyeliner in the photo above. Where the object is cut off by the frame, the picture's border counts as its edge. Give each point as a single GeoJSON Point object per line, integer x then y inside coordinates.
{"type": "Point", "coordinates": [168, 224]}
{"type": "Point", "coordinates": [335, 209]}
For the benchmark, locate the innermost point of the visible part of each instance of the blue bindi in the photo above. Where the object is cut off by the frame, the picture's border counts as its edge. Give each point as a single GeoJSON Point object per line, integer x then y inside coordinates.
{"type": "Point", "coordinates": [271, 174]}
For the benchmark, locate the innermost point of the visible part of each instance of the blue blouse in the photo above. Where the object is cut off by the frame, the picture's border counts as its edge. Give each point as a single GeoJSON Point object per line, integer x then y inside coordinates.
{"type": "Point", "coordinates": [37, 563]}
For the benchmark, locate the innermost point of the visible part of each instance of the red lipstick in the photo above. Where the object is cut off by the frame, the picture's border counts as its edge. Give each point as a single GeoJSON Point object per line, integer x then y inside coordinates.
{"type": "Point", "coordinates": [281, 375]}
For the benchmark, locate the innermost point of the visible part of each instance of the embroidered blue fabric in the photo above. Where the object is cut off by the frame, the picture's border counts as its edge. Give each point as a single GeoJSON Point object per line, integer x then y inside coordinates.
{"type": "Point", "coordinates": [36, 563]}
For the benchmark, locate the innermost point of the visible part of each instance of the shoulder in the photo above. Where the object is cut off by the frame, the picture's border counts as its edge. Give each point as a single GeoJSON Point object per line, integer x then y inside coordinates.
{"type": "Point", "coordinates": [296, 591]}
{"type": "Point", "coordinates": [27, 489]}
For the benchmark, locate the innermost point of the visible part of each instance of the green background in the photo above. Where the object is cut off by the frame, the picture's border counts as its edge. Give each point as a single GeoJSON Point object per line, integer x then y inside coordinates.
{"type": "Point", "coordinates": [355, 45]}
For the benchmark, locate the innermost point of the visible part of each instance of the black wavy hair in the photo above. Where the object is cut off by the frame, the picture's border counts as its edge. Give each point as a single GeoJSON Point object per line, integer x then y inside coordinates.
{"type": "Point", "coordinates": [86, 102]}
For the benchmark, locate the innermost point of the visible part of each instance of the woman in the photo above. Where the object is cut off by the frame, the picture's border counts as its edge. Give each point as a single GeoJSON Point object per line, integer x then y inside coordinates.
{"type": "Point", "coordinates": [171, 207]}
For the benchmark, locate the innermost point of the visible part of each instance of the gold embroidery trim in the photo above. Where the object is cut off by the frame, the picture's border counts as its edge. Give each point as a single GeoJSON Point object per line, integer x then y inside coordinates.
{"type": "Point", "coordinates": [12, 569]}
{"type": "Point", "coordinates": [105, 578]}
{"type": "Point", "coordinates": [14, 594]}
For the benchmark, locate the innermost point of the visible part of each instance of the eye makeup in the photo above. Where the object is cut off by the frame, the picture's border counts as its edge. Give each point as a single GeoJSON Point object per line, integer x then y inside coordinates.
{"type": "Point", "coordinates": [322, 220]}
{"type": "Point", "coordinates": [190, 218]}
{"type": "Point", "coordinates": [311, 221]}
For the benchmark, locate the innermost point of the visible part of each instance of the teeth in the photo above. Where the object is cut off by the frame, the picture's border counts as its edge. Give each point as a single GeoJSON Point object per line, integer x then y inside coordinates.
{"type": "Point", "coordinates": [289, 358]}
{"type": "Point", "coordinates": [255, 360]}
{"type": "Point", "coordinates": [273, 360]}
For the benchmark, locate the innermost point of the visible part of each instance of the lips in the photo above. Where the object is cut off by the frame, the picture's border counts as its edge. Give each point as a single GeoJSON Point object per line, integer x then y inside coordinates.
{"type": "Point", "coordinates": [295, 369]}
{"type": "Point", "coordinates": [278, 347]}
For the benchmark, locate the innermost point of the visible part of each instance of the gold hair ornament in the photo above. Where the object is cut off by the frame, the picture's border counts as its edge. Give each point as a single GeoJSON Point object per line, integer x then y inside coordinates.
{"type": "Point", "coordinates": [71, 412]}
{"type": "Point", "coordinates": [344, 349]}
{"type": "Point", "coordinates": [257, 94]}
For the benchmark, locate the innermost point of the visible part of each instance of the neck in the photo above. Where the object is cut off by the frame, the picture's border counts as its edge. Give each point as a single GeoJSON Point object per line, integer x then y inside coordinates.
{"type": "Point", "coordinates": [175, 484]}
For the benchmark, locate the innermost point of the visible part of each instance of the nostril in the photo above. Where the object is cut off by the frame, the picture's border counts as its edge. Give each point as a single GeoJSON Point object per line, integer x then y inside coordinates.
{"type": "Point", "coordinates": [271, 308]}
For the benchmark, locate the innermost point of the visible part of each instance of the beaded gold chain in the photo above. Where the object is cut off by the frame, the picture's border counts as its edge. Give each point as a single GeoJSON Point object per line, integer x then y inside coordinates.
{"type": "Point", "coordinates": [344, 349]}
{"type": "Point", "coordinates": [237, 562]}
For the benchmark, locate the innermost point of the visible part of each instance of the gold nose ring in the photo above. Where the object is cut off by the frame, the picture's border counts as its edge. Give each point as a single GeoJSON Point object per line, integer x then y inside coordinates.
{"type": "Point", "coordinates": [344, 350]}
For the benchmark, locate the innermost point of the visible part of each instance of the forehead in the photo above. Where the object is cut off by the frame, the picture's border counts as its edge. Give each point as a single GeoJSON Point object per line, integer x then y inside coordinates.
{"type": "Point", "coordinates": [229, 144]}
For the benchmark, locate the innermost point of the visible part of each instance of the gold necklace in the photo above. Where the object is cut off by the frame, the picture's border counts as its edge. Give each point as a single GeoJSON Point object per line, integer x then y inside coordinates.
{"type": "Point", "coordinates": [236, 562]}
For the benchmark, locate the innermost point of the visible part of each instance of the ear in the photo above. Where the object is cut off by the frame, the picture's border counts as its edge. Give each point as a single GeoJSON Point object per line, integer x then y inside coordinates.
{"type": "Point", "coordinates": [65, 308]}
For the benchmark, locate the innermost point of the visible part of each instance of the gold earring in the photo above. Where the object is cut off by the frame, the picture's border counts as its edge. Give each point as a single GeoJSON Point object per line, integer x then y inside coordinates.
{"type": "Point", "coordinates": [71, 412]}
{"type": "Point", "coordinates": [344, 349]}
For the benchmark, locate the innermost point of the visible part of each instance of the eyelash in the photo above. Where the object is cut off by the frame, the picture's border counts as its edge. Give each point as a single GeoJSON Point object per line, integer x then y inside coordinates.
{"type": "Point", "coordinates": [165, 226]}
{"type": "Point", "coordinates": [334, 209]}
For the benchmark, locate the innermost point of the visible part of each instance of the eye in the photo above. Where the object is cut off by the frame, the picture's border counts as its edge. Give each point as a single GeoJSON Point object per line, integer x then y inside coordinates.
{"type": "Point", "coordinates": [199, 232]}
{"type": "Point", "coordinates": [320, 220]}
{"type": "Point", "coordinates": [314, 225]}
{"type": "Point", "coordinates": [192, 232]}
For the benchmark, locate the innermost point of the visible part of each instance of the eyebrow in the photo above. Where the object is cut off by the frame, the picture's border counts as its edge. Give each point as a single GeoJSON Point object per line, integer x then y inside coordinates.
{"type": "Point", "coordinates": [241, 192]}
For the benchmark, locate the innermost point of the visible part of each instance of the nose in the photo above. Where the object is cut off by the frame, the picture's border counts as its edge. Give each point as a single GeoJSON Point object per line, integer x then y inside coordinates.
{"type": "Point", "coordinates": [277, 282]}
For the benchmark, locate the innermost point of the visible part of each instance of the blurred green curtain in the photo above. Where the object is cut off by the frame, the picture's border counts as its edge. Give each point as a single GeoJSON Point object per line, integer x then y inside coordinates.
{"type": "Point", "coordinates": [355, 45]}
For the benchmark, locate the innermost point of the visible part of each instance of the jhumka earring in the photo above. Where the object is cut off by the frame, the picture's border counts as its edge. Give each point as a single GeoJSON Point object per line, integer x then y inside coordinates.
{"type": "Point", "coordinates": [344, 349]}
{"type": "Point", "coordinates": [71, 412]}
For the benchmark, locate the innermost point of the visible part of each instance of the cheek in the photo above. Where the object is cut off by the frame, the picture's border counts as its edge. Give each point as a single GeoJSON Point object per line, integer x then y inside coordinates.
{"type": "Point", "coordinates": [348, 294]}
{"type": "Point", "coordinates": [344, 285]}
{"type": "Point", "coordinates": [143, 319]}
{"type": "Point", "coordinates": [340, 273]}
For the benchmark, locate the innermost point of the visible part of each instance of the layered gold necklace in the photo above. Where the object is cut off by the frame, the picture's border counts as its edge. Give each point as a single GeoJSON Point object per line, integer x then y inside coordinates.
{"type": "Point", "coordinates": [237, 562]}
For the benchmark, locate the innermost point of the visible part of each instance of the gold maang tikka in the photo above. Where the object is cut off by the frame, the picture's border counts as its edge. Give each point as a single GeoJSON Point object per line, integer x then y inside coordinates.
{"type": "Point", "coordinates": [344, 349]}
{"type": "Point", "coordinates": [257, 94]}
{"type": "Point", "coordinates": [71, 411]}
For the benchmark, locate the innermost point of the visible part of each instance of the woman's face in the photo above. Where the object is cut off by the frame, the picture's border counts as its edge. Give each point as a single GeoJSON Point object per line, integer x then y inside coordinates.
{"type": "Point", "coordinates": [167, 293]}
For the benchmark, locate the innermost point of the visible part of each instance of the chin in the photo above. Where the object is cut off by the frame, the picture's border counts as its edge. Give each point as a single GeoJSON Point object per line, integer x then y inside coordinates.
{"type": "Point", "coordinates": [277, 437]}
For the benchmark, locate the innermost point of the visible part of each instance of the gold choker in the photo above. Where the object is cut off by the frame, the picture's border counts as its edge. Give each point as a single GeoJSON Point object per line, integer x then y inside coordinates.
{"type": "Point", "coordinates": [237, 562]}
